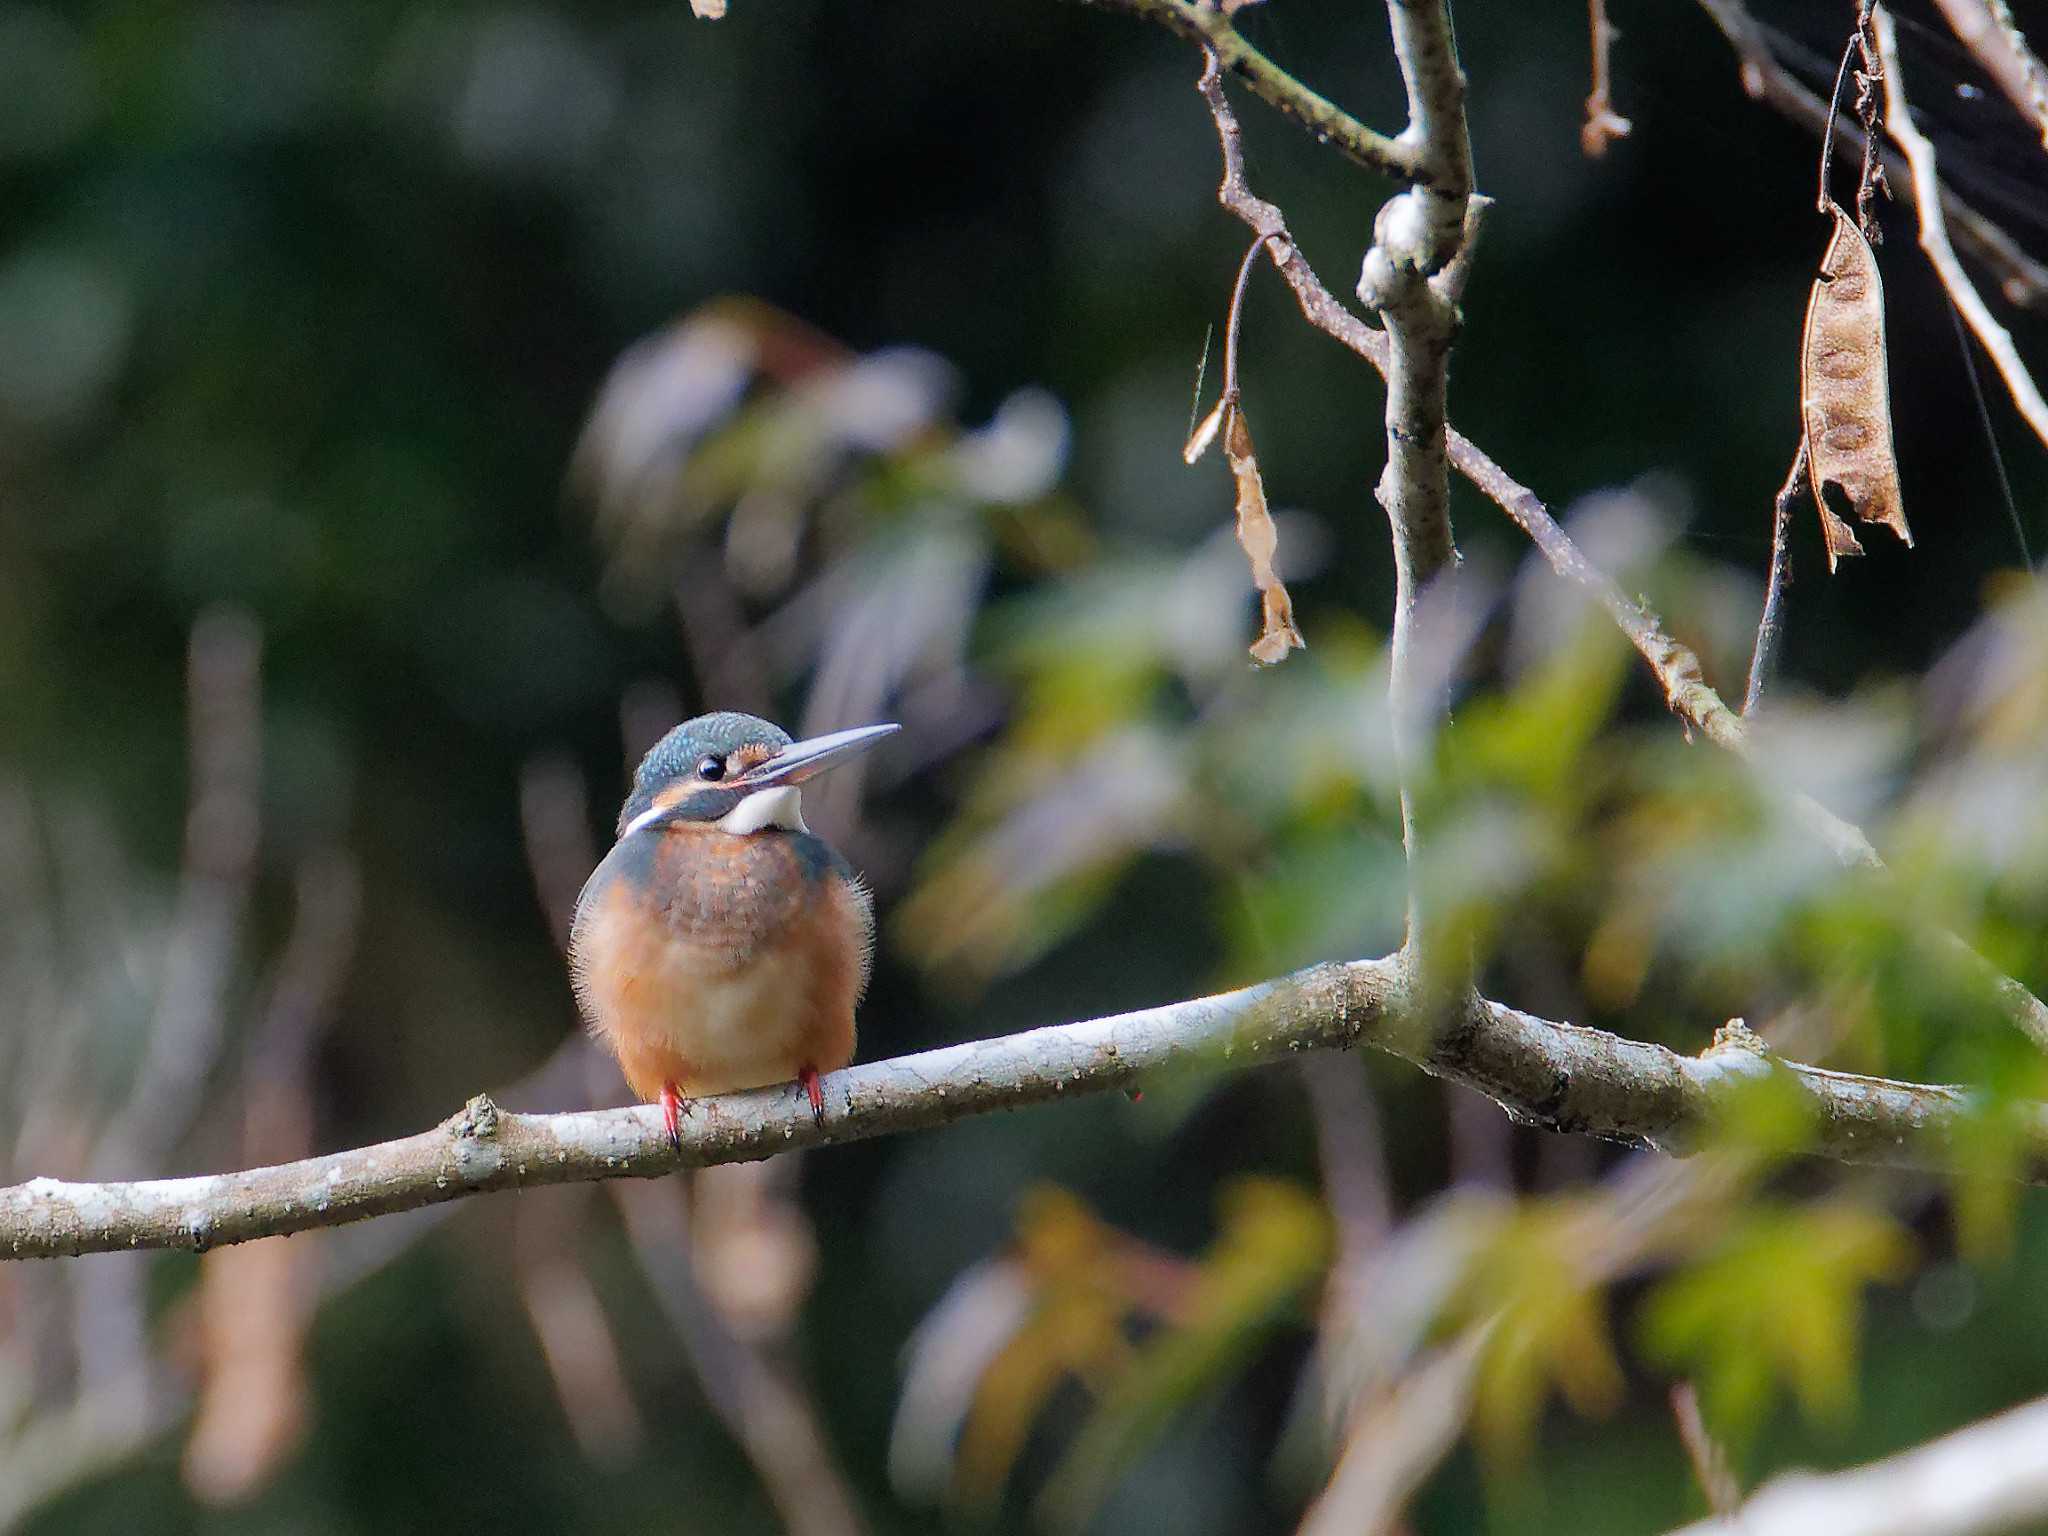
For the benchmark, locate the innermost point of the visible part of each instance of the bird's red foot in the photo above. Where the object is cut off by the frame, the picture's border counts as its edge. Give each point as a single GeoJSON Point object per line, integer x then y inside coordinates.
{"type": "Point", "coordinates": [672, 1114]}
{"type": "Point", "coordinates": [808, 1076]}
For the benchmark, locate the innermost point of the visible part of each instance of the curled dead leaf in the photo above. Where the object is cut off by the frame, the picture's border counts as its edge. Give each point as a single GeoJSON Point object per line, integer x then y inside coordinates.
{"type": "Point", "coordinates": [1255, 531]}
{"type": "Point", "coordinates": [1845, 403]}
{"type": "Point", "coordinates": [1261, 542]}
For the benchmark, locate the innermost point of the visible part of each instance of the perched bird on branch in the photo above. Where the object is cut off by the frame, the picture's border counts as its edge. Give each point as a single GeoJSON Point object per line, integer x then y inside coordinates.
{"type": "Point", "coordinates": [720, 945]}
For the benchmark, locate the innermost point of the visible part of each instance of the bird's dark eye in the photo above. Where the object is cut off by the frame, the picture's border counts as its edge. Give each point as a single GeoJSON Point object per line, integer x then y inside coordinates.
{"type": "Point", "coordinates": [711, 769]}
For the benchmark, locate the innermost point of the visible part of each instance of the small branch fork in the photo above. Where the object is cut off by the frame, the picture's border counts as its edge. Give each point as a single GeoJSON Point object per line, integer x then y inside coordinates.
{"type": "Point", "coordinates": [1559, 1076]}
{"type": "Point", "coordinates": [1211, 26]}
{"type": "Point", "coordinates": [1603, 124]}
{"type": "Point", "coordinates": [1675, 666]}
{"type": "Point", "coordinates": [1770, 629]}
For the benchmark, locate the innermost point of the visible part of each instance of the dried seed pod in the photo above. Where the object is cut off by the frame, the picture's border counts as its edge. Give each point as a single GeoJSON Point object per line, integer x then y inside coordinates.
{"type": "Point", "coordinates": [1845, 401]}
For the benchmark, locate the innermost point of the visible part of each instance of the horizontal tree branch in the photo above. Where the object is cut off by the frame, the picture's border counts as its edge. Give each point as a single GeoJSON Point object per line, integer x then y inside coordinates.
{"type": "Point", "coordinates": [1562, 1077]}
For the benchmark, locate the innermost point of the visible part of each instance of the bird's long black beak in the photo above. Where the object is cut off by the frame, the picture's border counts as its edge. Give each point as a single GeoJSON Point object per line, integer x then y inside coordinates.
{"type": "Point", "coordinates": [801, 760]}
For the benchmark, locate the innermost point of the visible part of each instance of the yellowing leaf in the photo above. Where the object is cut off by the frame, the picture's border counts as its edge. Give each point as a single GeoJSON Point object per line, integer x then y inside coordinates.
{"type": "Point", "coordinates": [1777, 1301]}
{"type": "Point", "coordinates": [1845, 401]}
{"type": "Point", "coordinates": [1075, 1329]}
{"type": "Point", "coordinates": [1549, 1327]}
{"type": "Point", "coordinates": [1273, 1247]}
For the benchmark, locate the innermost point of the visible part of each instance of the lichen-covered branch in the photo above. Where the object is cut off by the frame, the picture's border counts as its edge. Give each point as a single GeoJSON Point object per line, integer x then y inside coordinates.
{"type": "Point", "coordinates": [1411, 275]}
{"type": "Point", "coordinates": [1558, 1076]}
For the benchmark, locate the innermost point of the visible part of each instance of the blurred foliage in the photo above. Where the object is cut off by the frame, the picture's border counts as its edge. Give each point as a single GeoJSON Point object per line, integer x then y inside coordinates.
{"type": "Point", "coordinates": [1776, 1298]}
{"type": "Point", "coordinates": [308, 313]}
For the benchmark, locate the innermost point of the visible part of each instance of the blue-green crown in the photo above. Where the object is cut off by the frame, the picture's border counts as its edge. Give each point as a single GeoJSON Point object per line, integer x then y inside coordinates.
{"type": "Point", "coordinates": [675, 757]}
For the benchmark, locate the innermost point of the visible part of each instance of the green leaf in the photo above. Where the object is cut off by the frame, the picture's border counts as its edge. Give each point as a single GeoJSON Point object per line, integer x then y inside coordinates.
{"type": "Point", "coordinates": [1549, 1326]}
{"type": "Point", "coordinates": [1775, 1303]}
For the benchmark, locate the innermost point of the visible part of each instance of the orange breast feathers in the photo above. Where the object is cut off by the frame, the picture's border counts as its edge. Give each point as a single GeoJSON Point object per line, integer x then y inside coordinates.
{"type": "Point", "coordinates": [717, 961]}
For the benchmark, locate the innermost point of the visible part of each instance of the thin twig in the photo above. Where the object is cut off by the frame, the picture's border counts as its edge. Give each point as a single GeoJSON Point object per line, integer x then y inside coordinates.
{"type": "Point", "coordinates": [1603, 124]}
{"type": "Point", "coordinates": [1770, 628]}
{"type": "Point", "coordinates": [2023, 280]}
{"type": "Point", "coordinates": [1994, 338]}
{"type": "Point", "coordinates": [1870, 179]}
{"type": "Point", "coordinates": [1708, 1456]}
{"type": "Point", "coordinates": [1350, 1154]}
{"type": "Point", "coordinates": [554, 824]}
{"type": "Point", "coordinates": [221, 825]}
{"type": "Point", "coordinates": [1395, 1442]}
{"type": "Point", "coordinates": [577, 1343]}
{"type": "Point", "coordinates": [758, 1400]}
{"type": "Point", "coordinates": [1212, 27]}
{"type": "Point", "coordinates": [1234, 323]}
{"type": "Point", "coordinates": [1988, 30]}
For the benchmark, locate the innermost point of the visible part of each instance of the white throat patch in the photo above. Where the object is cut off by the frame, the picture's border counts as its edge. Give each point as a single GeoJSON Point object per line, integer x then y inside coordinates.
{"type": "Point", "coordinates": [780, 807]}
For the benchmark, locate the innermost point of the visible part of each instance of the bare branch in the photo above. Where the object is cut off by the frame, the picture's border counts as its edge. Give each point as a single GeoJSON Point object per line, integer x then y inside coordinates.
{"type": "Point", "coordinates": [1212, 27]}
{"type": "Point", "coordinates": [1708, 1456]}
{"type": "Point", "coordinates": [1990, 1476]}
{"type": "Point", "coordinates": [1396, 1442]}
{"type": "Point", "coordinates": [1409, 279]}
{"type": "Point", "coordinates": [223, 675]}
{"type": "Point", "coordinates": [1675, 666]}
{"type": "Point", "coordinates": [1988, 30]}
{"type": "Point", "coordinates": [1770, 627]}
{"type": "Point", "coordinates": [1994, 337]}
{"type": "Point", "coordinates": [761, 1402]}
{"type": "Point", "coordinates": [1557, 1076]}
{"type": "Point", "coordinates": [1603, 124]}
{"type": "Point", "coordinates": [2022, 280]}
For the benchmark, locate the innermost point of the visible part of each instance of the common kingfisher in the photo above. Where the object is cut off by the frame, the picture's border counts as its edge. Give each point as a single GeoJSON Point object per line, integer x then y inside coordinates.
{"type": "Point", "coordinates": [720, 944]}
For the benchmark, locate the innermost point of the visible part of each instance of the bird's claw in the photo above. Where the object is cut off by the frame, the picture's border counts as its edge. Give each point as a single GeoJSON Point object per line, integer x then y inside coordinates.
{"type": "Point", "coordinates": [672, 1115]}
{"type": "Point", "coordinates": [808, 1077]}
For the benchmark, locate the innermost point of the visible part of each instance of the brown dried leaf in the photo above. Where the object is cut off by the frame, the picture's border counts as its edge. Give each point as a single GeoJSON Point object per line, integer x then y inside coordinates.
{"type": "Point", "coordinates": [1261, 541]}
{"type": "Point", "coordinates": [1845, 401]}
